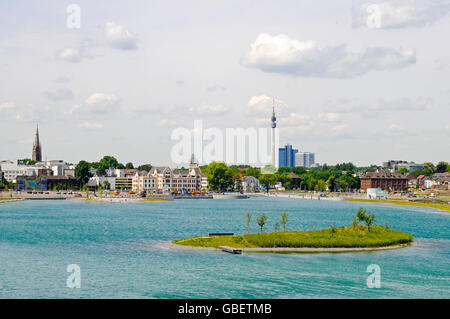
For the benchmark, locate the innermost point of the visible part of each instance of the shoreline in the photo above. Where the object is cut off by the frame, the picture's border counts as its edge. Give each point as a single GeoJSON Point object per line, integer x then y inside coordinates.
{"type": "Point", "coordinates": [400, 203]}
{"type": "Point", "coordinates": [281, 250]}
{"type": "Point", "coordinates": [12, 200]}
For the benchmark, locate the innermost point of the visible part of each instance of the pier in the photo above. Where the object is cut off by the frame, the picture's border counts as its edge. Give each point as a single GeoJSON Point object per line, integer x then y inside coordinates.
{"type": "Point", "coordinates": [231, 250]}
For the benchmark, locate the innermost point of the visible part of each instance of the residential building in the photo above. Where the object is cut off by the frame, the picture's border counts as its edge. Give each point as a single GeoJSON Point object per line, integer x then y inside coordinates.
{"type": "Point", "coordinates": [165, 180]}
{"type": "Point", "coordinates": [304, 159]}
{"type": "Point", "coordinates": [105, 182]}
{"type": "Point", "coordinates": [286, 156]}
{"type": "Point", "coordinates": [11, 170]}
{"type": "Point", "coordinates": [395, 182]}
{"type": "Point", "coordinates": [143, 181]}
{"type": "Point", "coordinates": [411, 166]}
{"type": "Point", "coordinates": [391, 163]}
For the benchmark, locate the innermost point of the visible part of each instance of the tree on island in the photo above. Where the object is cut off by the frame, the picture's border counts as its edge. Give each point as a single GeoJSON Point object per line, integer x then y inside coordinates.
{"type": "Point", "coordinates": [363, 216]}
{"type": "Point", "coordinates": [284, 220]}
{"type": "Point", "coordinates": [82, 173]}
{"type": "Point", "coordinates": [248, 219]}
{"type": "Point", "coordinates": [220, 176]}
{"type": "Point", "coordinates": [268, 180]}
{"type": "Point", "coordinates": [261, 220]}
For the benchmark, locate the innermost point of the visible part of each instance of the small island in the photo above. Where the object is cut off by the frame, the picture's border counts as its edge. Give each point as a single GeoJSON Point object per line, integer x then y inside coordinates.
{"type": "Point", "coordinates": [357, 237]}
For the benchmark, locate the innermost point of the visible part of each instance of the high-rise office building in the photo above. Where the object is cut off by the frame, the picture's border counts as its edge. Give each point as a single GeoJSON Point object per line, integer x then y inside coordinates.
{"type": "Point", "coordinates": [286, 156]}
{"type": "Point", "coordinates": [304, 159]}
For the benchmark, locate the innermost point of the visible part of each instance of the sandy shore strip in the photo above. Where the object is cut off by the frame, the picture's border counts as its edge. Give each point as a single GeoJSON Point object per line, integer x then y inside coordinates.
{"type": "Point", "coordinates": [12, 200]}
{"type": "Point", "coordinates": [304, 250]}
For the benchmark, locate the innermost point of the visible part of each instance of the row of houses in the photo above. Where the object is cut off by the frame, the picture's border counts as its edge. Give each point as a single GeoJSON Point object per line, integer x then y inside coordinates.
{"type": "Point", "coordinates": [399, 182]}
{"type": "Point", "coordinates": [436, 181]}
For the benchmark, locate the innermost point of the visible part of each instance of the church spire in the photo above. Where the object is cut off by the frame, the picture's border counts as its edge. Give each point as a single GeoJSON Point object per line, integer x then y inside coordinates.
{"type": "Point", "coordinates": [37, 149]}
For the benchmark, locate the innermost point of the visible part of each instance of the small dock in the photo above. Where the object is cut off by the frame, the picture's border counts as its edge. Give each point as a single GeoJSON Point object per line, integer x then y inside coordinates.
{"type": "Point", "coordinates": [220, 234]}
{"type": "Point", "coordinates": [231, 250]}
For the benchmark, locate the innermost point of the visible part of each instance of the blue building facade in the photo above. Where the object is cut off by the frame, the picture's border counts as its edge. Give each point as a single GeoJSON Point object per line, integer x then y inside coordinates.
{"type": "Point", "coordinates": [286, 156]}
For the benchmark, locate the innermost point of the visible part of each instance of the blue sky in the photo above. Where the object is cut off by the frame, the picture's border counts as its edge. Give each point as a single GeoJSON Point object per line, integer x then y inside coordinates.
{"type": "Point", "coordinates": [134, 72]}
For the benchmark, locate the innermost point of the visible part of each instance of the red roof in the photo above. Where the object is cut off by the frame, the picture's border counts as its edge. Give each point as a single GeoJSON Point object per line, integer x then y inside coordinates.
{"type": "Point", "coordinates": [420, 176]}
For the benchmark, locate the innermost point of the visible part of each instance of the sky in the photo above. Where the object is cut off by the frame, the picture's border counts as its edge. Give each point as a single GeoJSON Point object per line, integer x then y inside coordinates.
{"type": "Point", "coordinates": [353, 81]}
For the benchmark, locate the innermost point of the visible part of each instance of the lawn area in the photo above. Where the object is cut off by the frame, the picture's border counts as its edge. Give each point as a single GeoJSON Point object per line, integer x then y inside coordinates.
{"type": "Point", "coordinates": [344, 237]}
{"type": "Point", "coordinates": [432, 204]}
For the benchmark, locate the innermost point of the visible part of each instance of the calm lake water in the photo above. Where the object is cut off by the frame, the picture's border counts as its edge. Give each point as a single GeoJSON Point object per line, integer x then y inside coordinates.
{"type": "Point", "coordinates": [119, 248]}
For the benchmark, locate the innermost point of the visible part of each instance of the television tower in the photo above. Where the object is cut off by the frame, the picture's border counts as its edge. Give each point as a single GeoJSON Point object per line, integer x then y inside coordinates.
{"type": "Point", "coordinates": [273, 125]}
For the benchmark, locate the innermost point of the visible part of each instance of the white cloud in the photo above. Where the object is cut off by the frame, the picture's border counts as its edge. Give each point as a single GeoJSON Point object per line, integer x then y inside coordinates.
{"type": "Point", "coordinates": [262, 105]}
{"type": "Point", "coordinates": [98, 104]}
{"type": "Point", "coordinates": [399, 13]}
{"type": "Point", "coordinates": [61, 94]}
{"type": "Point", "coordinates": [91, 125]}
{"type": "Point", "coordinates": [69, 55]}
{"type": "Point", "coordinates": [102, 103]}
{"type": "Point", "coordinates": [34, 113]}
{"type": "Point", "coordinates": [294, 119]}
{"type": "Point", "coordinates": [281, 54]}
{"type": "Point", "coordinates": [208, 109]}
{"type": "Point", "coordinates": [119, 37]}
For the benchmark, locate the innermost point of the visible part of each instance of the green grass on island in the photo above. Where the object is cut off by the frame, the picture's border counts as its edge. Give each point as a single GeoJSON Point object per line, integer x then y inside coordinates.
{"type": "Point", "coordinates": [344, 237]}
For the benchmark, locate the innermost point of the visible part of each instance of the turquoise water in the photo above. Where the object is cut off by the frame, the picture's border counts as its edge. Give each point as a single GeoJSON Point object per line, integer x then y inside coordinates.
{"type": "Point", "coordinates": [119, 248]}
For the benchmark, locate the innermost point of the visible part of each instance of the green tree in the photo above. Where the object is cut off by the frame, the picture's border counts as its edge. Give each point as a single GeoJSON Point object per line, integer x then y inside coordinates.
{"type": "Point", "coordinates": [370, 219]}
{"type": "Point", "coordinates": [441, 167]}
{"type": "Point", "coordinates": [331, 183]}
{"type": "Point", "coordinates": [276, 227]}
{"type": "Point", "coordinates": [129, 166]}
{"type": "Point", "coordinates": [403, 170]}
{"type": "Point", "coordinates": [248, 219]}
{"type": "Point", "coordinates": [82, 173]}
{"type": "Point", "coordinates": [145, 167]}
{"type": "Point", "coordinates": [220, 176]}
{"type": "Point", "coordinates": [268, 180]}
{"type": "Point", "coordinates": [284, 220]}
{"type": "Point", "coordinates": [321, 187]}
{"type": "Point", "coordinates": [107, 185]}
{"type": "Point", "coordinates": [363, 216]}
{"type": "Point", "coordinates": [429, 169]}
{"type": "Point", "coordinates": [108, 162]}
{"type": "Point", "coordinates": [253, 171]}
{"type": "Point", "coordinates": [261, 220]}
